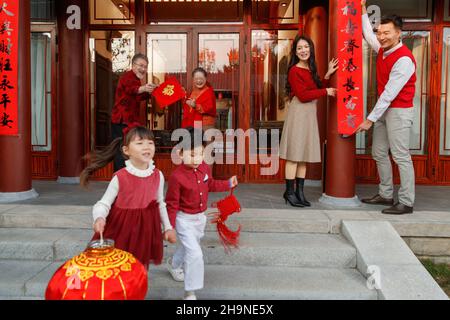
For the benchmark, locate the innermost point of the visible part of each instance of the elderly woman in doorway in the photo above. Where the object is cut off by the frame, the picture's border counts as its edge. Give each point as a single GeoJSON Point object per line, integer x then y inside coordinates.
{"type": "Point", "coordinates": [300, 141]}
{"type": "Point", "coordinates": [200, 107]}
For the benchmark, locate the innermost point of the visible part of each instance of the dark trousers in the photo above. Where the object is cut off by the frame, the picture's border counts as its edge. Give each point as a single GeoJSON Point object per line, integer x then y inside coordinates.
{"type": "Point", "coordinates": [116, 132]}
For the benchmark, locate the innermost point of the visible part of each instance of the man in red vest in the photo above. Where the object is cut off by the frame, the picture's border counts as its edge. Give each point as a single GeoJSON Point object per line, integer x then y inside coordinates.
{"type": "Point", "coordinates": [393, 114]}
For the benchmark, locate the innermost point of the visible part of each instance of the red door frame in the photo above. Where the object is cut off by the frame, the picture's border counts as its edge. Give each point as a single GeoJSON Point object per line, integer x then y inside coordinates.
{"type": "Point", "coordinates": [45, 163]}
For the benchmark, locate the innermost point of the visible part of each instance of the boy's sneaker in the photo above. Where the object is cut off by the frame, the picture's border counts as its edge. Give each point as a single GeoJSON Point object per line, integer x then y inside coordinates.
{"type": "Point", "coordinates": [190, 295]}
{"type": "Point", "coordinates": [177, 274]}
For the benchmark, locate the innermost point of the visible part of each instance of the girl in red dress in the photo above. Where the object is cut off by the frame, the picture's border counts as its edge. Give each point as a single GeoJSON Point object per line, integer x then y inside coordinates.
{"type": "Point", "coordinates": [132, 209]}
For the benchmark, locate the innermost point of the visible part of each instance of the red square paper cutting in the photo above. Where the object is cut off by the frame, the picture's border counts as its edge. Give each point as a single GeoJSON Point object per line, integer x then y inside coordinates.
{"type": "Point", "coordinates": [169, 92]}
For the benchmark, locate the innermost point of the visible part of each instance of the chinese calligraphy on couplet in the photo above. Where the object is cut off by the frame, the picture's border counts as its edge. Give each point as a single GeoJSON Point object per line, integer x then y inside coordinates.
{"type": "Point", "coordinates": [350, 94]}
{"type": "Point", "coordinates": [9, 24]}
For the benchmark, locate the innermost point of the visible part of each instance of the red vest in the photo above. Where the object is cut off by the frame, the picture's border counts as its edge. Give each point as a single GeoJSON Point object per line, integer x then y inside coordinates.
{"type": "Point", "coordinates": [405, 98]}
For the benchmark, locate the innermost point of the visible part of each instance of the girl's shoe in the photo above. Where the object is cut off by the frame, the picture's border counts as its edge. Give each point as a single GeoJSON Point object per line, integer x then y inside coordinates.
{"type": "Point", "coordinates": [176, 273]}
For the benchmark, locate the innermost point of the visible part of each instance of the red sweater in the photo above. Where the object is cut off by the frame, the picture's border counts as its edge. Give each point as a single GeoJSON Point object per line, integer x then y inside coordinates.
{"type": "Point", "coordinates": [206, 105]}
{"type": "Point", "coordinates": [303, 85]}
{"type": "Point", "coordinates": [126, 107]}
{"type": "Point", "coordinates": [188, 190]}
{"type": "Point", "coordinates": [405, 98]}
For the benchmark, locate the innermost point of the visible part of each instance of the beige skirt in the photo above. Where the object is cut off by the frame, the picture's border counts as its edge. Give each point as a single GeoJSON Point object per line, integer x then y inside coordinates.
{"type": "Point", "coordinates": [300, 140]}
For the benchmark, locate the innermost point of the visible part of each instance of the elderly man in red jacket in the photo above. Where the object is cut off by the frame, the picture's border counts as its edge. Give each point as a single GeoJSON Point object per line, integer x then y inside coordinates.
{"type": "Point", "coordinates": [129, 93]}
{"type": "Point", "coordinates": [393, 113]}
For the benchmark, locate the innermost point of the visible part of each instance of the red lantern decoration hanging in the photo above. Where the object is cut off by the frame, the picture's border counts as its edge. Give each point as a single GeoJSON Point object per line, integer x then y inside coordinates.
{"type": "Point", "coordinates": [101, 272]}
{"type": "Point", "coordinates": [227, 206]}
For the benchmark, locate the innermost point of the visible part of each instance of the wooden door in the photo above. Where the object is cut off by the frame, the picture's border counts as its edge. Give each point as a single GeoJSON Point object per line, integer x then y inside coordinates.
{"type": "Point", "coordinates": [175, 52]}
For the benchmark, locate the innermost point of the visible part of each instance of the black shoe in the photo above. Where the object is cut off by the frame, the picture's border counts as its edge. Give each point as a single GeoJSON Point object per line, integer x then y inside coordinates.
{"type": "Point", "coordinates": [300, 182]}
{"type": "Point", "coordinates": [378, 200]}
{"type": "Point", "coordinates": [289, 194]}
{"type": "Point", "coordinates": [398, 208]}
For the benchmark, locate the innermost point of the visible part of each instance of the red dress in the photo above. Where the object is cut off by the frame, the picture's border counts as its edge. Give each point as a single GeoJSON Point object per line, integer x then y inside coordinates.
{"type": "Point", "coordinates": [134, 222]}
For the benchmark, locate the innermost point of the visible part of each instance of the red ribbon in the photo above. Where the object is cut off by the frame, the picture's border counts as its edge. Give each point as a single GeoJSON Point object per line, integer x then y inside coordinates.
{"type": "Point", "coordinates": [129, 127]}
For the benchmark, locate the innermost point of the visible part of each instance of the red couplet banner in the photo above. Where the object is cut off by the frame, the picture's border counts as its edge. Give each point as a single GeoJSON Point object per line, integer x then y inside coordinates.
{"type": "Point", "coordinates": [350, 74]}
{"type": "Point", "coordinates": [9, 33]}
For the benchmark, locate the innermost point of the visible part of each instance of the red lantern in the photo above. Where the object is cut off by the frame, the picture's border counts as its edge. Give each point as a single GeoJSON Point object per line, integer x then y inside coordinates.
{"type": "Point", "coordinates": [101, 272]}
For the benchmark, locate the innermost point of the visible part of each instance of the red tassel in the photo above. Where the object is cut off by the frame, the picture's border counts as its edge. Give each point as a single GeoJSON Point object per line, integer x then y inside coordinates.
{"type": "Point", "coordinates": [228, 237]}
{"type": "Point", "coordinates": [227, 207]}
{"type": "Point", "coordinates": [129, 126]}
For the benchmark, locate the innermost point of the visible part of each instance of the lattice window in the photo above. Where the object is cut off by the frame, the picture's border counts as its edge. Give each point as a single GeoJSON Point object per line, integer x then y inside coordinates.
{"type": "Point", "coordinates": [43, 10]}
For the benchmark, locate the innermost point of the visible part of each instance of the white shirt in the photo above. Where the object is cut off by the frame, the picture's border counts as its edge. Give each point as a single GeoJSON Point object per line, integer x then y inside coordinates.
{"type": "Point", "coordinates": [101, 208]}
{"type": "Point", "coordinates": [401, 72]}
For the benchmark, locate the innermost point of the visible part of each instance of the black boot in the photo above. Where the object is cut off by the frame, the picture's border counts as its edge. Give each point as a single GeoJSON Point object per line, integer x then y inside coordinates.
{"type": "Point", "coordinates": [289, 194]}
{"type": "Point", "coordinates": [300, 182]}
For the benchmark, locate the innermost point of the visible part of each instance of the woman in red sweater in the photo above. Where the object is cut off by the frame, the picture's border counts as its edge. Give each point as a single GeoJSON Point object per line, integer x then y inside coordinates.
{"type": "Point", "coordinates": [201, 104]}
{"type": "Point", "coordinates": [300, 141]}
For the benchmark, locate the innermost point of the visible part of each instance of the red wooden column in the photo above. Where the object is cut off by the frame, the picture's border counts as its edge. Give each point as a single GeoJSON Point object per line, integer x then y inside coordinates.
{"type": "Point", "coordinates": [340, 153]}
{"type": "Point", "coordinates": [15, 158]}
{"type": "Point", "coordinates": [71, 95]}
{"type": "Point", "coordinates": [316, 27]}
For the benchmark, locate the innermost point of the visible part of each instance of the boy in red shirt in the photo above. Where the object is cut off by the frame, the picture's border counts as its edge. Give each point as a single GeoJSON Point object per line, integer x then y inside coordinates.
{"type": "Point", "coordinates": [186, 200]}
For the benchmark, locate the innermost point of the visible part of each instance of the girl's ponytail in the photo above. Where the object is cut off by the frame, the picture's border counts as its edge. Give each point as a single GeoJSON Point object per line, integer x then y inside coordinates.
{"type": "Point", "coordinates": [99, 159]}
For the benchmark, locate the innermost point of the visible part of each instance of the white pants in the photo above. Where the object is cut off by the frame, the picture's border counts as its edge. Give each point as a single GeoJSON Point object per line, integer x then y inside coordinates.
{"type": "Point", "coordinates": [190, 230]}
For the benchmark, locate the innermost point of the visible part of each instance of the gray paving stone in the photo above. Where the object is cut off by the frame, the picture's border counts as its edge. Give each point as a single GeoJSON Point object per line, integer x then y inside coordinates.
{"type": "Point", "coordinates": [55, 209]}
{"type": "Point", "coordinates": [380, 248]}
{"type": "Point", "coordinates": [422, 228]}
{"type": "Point", "coordinates": [72, 243]}
{"type": "Point", "coordinates": [77, 221]}
{"type": "Point", "coordinates": [377, 243]}
{"type": "Point", "coordinates": [6, 207]}
{"type": "Point", "coordinates": [409, 283]}
{"type": "Point", "coordinates": [427, 246]}
{"type": "Point", "coordinates": [242, 282]}
{"type": "Point", "coordinates": [336, 217]}
{"type": "Point", "coordinates": [309, 250]}
{"type": "Point", "coordinates": [14, 275]}
{"type": "Point", "coordinates": [36, 286]}
{"type": "Point", "coordinates": [262, 283]}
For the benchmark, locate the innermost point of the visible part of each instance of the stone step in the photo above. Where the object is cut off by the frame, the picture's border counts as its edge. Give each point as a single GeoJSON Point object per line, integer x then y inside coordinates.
{"type": "Point", "coordinates": [80, 217]}
{"type": "Point", "coordinates": [419, 224]}
{"type": "Point", "coordinates": [282, 249]}
{"type": "Point", "coordinates": [28, 280]}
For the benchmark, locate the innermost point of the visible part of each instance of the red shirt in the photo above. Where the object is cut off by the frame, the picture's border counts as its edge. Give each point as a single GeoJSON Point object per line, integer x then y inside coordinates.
{"type": "Point", "coordinates": [405, 98]}
{"type": "Point", "coordinates": [126, 107]}
{"type": "Point", "coordinates": [188, 190]}
{"type": "Point", "coordinates": [303, 85]}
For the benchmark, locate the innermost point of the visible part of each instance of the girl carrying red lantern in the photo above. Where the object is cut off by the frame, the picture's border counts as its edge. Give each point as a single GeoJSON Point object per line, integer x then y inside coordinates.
{"type": "Point", "coordinates": [132, 208]}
